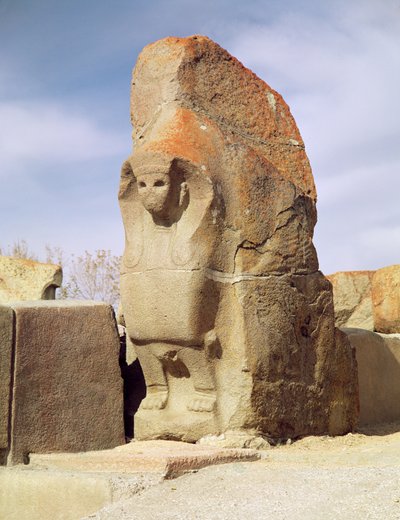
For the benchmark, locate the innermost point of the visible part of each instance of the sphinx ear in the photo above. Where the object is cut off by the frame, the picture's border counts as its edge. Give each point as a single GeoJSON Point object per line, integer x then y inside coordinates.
{"type": "Point", "coordinates": [182, 195]}
{"type": "Point", "coordinates": [126, 180]}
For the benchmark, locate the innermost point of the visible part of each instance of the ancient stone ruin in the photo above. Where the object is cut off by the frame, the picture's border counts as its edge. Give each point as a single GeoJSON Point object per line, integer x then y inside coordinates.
{"type": "Point", "coordinates": [60, 384]}
{"type": "Point", "coordinates": [231, 319]}
{"type": "Point", "coordinates": [367, 306]}
{"type": "Point", "coordinates": [22, 280]}
{"type": "Point", "coordinates": [368, 299]}
{"type": "Point", "coordinates": [352, 298]}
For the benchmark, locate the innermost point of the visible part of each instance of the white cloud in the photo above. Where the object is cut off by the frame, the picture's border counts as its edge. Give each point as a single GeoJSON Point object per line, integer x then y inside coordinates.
{"type": "Point", "coordinates": [47, 132]}
{"type": "Point", "coordinates": [368, 247]}
{"type": "Point", "coordinates": [59, 176]}
{"type": "Point", "coordinates": [337, 64]}
{"type": "Point", "coordinates": [381, 237]}
{"type": "Point", "coordinates": [359, 218]}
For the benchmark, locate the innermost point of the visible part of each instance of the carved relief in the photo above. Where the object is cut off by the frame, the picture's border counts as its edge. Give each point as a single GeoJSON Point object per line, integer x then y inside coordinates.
{"type": "Point", "coordinates": [169, 304]}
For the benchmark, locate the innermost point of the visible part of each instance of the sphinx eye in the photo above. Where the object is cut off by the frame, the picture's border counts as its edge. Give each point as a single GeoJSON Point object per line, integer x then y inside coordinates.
{"type": "Point", "coordinates": [142, 184]}
{"type": "Point", "coordinates": [159, 183]}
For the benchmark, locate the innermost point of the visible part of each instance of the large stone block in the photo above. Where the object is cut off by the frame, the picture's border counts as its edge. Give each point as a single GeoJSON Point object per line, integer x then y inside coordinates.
{"type": "Point", "coordinates": [6, 368]}
{"type": "Point", "coordinates": [22, 280]}
{"type": "Point", "coordinates": [378, 358]}
{"type": "Point", "coordinates": [299, 363]}
{"type": "Point", "coordinates": [386, 299]}
{"type": "Point", "coordinates": [67, 388]}
{"type": "Point", "coordinates": [352, 299]}
{"type": "Point", "coordinates": [232, 321]}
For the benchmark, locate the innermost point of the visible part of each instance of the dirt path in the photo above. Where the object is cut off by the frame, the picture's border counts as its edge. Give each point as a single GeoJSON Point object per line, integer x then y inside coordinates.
{"type": "Point", "coordinates": [352, 477]}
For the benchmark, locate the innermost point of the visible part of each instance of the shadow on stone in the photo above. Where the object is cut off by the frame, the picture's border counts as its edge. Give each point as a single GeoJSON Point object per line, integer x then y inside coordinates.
{"type": "Point", "coordinates": [134, 389]}
{"type": "Point", "coordinates": [378, 359]}
{"type": "Point", "coordinates": [380, 429]}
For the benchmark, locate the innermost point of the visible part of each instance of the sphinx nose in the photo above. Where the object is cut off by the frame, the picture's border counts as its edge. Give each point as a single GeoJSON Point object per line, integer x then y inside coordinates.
{"type": "Point", "coordinates": [150, 195]}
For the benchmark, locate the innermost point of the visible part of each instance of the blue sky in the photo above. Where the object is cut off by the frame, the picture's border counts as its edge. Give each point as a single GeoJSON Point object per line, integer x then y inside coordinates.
{"type": "Point", "coordinates": [65, 72]}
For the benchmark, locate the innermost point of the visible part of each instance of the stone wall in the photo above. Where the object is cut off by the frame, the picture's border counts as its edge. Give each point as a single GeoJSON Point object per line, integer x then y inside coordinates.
{"type": "Point", "coordinates": [378, 358]}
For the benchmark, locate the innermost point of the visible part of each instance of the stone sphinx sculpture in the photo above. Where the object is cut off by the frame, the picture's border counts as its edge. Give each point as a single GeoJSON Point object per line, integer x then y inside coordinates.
{"type": "Point", "coordinates": [232, 322]}
{"type": "Point", "coordinates": [166, 205]}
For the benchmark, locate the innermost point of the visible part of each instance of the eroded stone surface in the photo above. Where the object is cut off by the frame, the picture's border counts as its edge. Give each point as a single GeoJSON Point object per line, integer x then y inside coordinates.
{"type": "Point", "coordinates": [352, 299]}
{"type": "Point", "coordinates": [234, 325]}
{"type": "Point", "coordinates": [22, 280]}
{"type": "Point", "coordinates": [386, 299]}
{"type": "Point", "coordinates": [206, 84]}
{"type": "Point", "coordinates": [67, 388]}
{"type": "Point", "coordinates": [6, 367]}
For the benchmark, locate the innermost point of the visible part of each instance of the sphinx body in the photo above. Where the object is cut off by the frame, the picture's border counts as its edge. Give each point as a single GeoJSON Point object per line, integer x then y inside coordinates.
{"type": "Point", "coordinates": [168, 300]}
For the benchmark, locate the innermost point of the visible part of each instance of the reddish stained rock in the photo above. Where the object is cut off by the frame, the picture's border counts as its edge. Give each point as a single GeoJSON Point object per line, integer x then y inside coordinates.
{"type": "Point", "coordinates": [170, 459]}
{"type": "Point", "coordinates": [206, 79]}
{"type": "Point", "coordinates": [386, 299]}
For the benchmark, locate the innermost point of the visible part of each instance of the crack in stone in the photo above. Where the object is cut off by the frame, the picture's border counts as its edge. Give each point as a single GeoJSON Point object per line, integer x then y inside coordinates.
{"type": "Point", "coordinates": [223, 277]}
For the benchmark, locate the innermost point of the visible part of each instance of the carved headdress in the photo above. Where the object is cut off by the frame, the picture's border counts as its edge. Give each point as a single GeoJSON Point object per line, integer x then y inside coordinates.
{"type": "Point", "coordinates": [195, 204]}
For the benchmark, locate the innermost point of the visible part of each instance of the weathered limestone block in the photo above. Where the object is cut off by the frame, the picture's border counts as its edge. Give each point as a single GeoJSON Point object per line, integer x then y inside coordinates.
{"type": "Point", "coordinates": [232, 321]}
{"type": "Point", "coordinates": [386, 299]}
{"type": "Point", "coordinates": [22, 280]}
{"type": "Point", "coordinates": [6, 364]}
{"type": "Point", "coordinates": [378, 359]}
{"type": "Point", "coordinates": [66, 384]}
{"type": "Point", "coordinates": [352, 299]}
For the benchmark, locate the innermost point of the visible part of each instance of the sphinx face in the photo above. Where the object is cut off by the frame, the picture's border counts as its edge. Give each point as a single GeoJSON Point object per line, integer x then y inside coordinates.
{"type": "Point", "coordinates": [156, 193]}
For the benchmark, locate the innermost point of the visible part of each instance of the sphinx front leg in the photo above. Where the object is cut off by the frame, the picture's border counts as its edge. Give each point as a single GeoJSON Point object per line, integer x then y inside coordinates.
{"type": "Point", "coordinates": [204, 397]}
{"type": "Point", "coordinates": [156, 382]}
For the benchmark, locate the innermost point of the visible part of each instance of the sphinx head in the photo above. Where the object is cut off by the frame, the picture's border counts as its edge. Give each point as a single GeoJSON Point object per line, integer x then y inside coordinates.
{"type": "Point", "coordinates": [162, 195]}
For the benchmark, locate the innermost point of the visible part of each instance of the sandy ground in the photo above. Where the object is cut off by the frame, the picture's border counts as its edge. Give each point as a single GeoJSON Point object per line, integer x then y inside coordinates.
{"type": "Point", "coordinates": [352, 477]}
